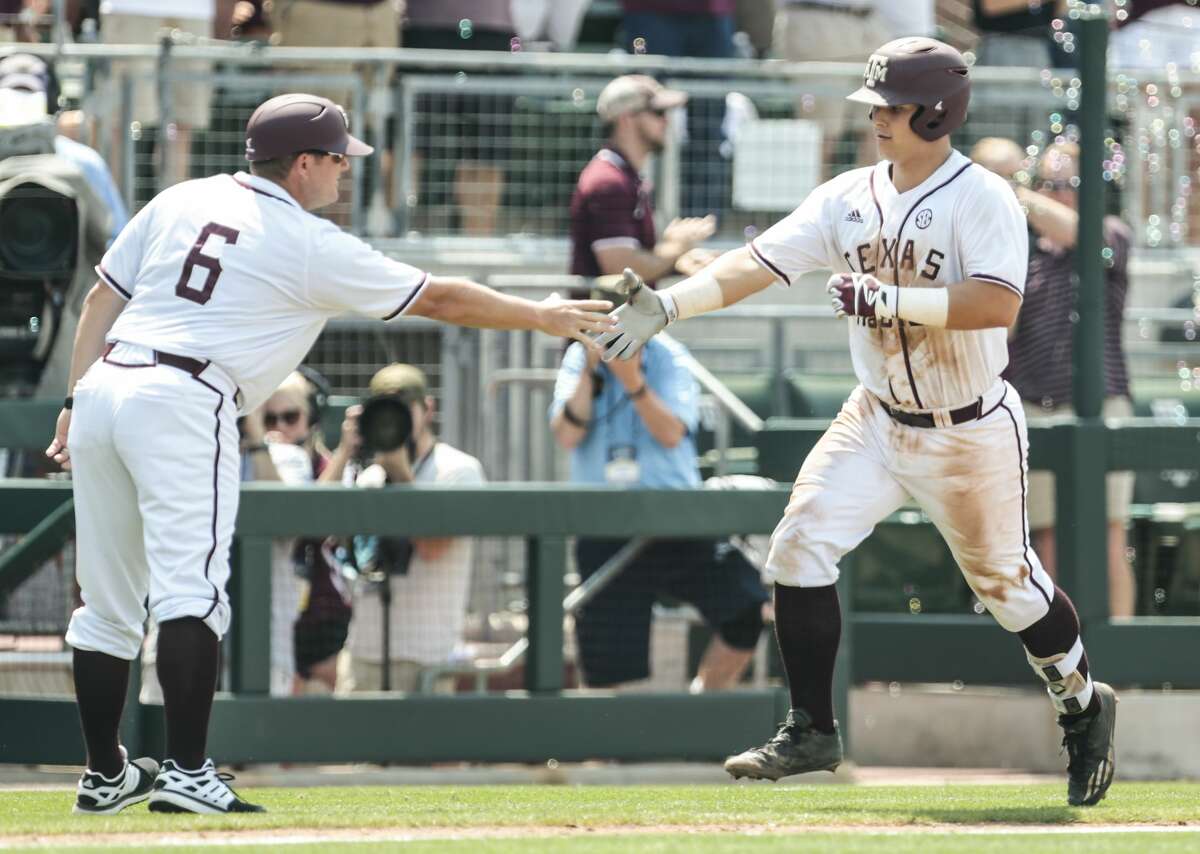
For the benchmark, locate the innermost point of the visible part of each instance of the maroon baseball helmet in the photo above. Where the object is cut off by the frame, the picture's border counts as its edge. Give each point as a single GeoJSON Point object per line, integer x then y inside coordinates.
{"type": "Point", "coordinates": [920, 71]}
{"type": "Point", "coordinates": [293, 123]}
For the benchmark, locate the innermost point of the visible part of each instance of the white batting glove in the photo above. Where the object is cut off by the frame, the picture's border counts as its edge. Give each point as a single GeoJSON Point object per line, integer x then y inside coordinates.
{"type": "Point", "coordinates": [857, 295]}
{"type": "Point", "coordinates": [643, 316]}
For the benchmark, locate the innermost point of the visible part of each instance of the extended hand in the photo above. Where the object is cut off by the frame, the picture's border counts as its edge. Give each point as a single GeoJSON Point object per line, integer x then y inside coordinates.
{"type": "Point", "coordinates": [854, 294]}
{"type": "Point", "coordinates": [573, 318]}
{"type": "Point", "coordinates": [57, 450]}
{"type": "Point", "coordinates": [642, 317]}
{"type": "Point", "coordinates": [689, 231]}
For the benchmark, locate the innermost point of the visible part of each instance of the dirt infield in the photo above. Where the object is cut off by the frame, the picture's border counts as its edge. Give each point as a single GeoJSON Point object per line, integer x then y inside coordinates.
{"type": "Point", "coordinates": [409, 834]}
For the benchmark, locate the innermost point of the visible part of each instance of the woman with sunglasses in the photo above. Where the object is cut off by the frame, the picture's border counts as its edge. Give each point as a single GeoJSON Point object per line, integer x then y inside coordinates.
{"type": "Point", "coordinates": [310, 611]}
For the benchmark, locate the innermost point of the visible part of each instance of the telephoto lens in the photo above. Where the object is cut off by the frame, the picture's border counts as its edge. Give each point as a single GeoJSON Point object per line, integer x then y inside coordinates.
{"type": "Point", "coordinates": [385, 423]}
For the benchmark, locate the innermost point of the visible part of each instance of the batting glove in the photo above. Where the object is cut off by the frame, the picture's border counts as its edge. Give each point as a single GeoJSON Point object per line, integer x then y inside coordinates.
{"type": "Point", "coordinates": [857, 295]}
{"type": "Point", "coordinates": [643, 316]}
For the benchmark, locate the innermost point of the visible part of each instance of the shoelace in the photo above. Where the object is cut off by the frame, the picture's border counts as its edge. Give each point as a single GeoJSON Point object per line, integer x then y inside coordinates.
{"type": "Point", "coordinates": [786, 733]}
{"type": "Point", "coordinates": [227, 778]}
{"type": "Point", "coordinates": [216, 782]}
{"type": "Point", "coordinates": [1075, 744]}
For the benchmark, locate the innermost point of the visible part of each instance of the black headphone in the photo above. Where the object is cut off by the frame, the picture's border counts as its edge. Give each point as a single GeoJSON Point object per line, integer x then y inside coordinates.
{"type": "Point", "coordinates": [318, 393]}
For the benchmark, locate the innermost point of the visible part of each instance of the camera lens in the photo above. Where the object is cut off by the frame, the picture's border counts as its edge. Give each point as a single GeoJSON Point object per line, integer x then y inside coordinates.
{"type": "Point", "coordinates": [38, 229]}
{"type": "Point", "coordinates": [385, 423]}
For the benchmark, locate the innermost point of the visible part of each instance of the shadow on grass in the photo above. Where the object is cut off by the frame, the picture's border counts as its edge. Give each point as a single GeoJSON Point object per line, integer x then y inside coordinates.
{"type": "Point", "coordinates": [941, 813]}
{"type": "Point", "coordinates": [998, 815]}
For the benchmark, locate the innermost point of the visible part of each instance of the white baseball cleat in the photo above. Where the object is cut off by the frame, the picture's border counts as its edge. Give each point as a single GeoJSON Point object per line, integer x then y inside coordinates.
{"type": "Point", "coordinates": [202, 791]}
{"type": "Point", "coordinates": [98, 795]}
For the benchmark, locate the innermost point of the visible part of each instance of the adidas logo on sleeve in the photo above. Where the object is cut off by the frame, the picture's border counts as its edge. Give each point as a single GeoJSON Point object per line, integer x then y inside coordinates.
{"type": "Point", "coordinates": [854, 216]}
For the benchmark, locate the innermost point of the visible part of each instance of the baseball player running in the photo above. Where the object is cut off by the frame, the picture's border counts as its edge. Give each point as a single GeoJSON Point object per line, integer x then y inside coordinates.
{"type": "Point", "coordinates": [210, 296]}
{"type": "Point", "coordinates": [929, 255]}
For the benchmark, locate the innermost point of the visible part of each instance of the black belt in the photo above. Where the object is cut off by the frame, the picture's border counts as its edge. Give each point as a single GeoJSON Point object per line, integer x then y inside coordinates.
{"type": "Point", "coordinates": [970, 412]}
{"type": "Point", "coordinates": [183, 363]}
{"type": "Point", "coordinates": [187, 364]}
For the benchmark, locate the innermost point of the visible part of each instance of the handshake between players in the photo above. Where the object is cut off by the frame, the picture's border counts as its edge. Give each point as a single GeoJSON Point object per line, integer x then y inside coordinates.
{"type": "Point", "coordinates": [646, 312]}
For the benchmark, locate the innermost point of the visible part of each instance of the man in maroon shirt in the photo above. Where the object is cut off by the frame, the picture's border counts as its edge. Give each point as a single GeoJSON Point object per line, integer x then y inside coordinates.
{"type": "Point", "coordinates": [612, 217]}
{"type": "Point", "coordinates": [1040, 358]}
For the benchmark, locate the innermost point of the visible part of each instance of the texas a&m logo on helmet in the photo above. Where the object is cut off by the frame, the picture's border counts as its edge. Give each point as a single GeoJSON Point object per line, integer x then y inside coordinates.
{"type": "Point", "coordinates": [876, 70]}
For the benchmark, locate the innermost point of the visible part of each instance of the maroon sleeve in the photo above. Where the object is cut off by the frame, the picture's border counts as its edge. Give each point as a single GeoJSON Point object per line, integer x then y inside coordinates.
{"type": "Point", "coordinates": [608, 210]}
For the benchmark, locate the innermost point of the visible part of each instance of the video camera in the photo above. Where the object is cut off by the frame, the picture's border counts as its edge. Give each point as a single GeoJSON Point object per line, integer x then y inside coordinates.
{"type": "Point", "coordinates": [52, 230]}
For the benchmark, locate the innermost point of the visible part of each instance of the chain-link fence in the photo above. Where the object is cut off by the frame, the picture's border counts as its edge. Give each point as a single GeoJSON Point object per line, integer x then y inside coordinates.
{"type": "Point", "coordinates": [483, 155]}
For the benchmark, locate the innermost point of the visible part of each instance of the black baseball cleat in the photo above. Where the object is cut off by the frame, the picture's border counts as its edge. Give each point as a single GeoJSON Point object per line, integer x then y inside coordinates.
{"type": "Point", "coordinates": [98, 795]}
{"type": "Point", "coordinates": [202, 791]}
{"type": "Point", "coordinates": [1089, 745]}
{"type": "Point", "coordinates": [796, 749]}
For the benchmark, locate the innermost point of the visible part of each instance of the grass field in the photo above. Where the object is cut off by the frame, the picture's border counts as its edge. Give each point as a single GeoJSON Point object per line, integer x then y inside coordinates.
{"type": "Point", "coordinates": [1145, 818]}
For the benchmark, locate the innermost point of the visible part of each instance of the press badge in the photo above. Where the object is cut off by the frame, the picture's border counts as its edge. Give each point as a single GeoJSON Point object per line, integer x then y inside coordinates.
{"type": "Point", "coordinates": [622, 468]}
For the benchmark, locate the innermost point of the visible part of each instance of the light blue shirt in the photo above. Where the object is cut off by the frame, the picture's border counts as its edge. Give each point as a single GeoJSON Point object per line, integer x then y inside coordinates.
{"type": "Point", "coordinates": [616, 429]}
{"type": "Point", "coordinates": [95, 172]}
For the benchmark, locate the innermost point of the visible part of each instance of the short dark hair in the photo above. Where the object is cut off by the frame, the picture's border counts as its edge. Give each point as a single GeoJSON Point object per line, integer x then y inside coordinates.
{"type": "Point", "coordinates": [278, 168]}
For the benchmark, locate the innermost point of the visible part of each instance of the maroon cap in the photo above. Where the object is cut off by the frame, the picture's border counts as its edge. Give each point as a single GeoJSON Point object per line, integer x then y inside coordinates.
{"type": "Point", "coordinates": [921, 71]}
{"type": "Point", "coordinates": [293, 123]}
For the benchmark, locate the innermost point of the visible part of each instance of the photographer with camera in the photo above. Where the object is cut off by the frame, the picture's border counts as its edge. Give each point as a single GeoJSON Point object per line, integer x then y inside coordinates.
{"type": "Point", "coordinates": [633, 424]}
{"type": "Point", "coordinates": [58, 210]}
{"type": "Point", "coordinates": [410, 600]}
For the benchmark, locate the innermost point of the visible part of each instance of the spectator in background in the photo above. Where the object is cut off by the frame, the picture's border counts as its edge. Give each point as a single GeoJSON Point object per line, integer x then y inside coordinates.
{"type": "Point", "coordinates": [337, 23]}
{"type": "Point", "coordinates": [1022, 33]}
{"type": "Point", "coordinates": [429, 585]}
{"type": "Point", "coordinates": [19, 19]}
{"type": "Point", "coordinates": [34, 83]}
{"type": "Point", "coordinates": [136, 22]}
{"type": "Point", "coordinates": [679, 27]}
{"type": "Point", "coordinates": [281, 442]}
{"type": "Point", "coordinates": [691, 28]}
{"type": "Point", "coordinates": [463, 140]}
{"type": "Point", "coordinates": [831, 31]}
{"type": "Point", "coordinates": [909, 17]}
{"type": "Point", "coordinates": [755, 18]}
{"type": "Point", "coordinates": [28, 101]}
{"type": "Point", "coordinates": [612, 216]}
{"type": "Point", "coordinates": [633, 424]}
{"type": "Point", "coordinates": [1155, 33]}
{"type": "Point", "coordinates": [553, 22]}
{"type": "Point", "coordinates": [243, 20]}
{"type": "Point", "coordinates": [1040, 343]}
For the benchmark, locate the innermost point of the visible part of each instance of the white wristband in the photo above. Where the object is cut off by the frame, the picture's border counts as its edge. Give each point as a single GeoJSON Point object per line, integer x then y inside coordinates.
{"type": "Point", "coordinates": [927, 306]}
{"type": "Point", "coordinates": [696, 294]}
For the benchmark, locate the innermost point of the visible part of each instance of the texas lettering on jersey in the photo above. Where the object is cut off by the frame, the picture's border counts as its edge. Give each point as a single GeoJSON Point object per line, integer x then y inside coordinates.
{"type": "Point", "coordinates": [962, 222]}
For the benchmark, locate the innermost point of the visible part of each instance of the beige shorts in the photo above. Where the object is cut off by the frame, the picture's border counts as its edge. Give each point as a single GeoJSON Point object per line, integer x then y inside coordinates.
{"type": "Point", "coordinates": [1119, 487]}
{"type": "Point", "coordinates": [307, 23]}
{"type": "Point", "coordinates": [189, 101]}
{"type": "Point", "coordinates": [816, 35]}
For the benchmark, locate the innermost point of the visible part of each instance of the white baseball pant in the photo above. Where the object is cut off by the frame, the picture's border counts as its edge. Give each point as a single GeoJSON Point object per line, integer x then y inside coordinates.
{"type": "Point", "coordinates": [154, 457]}
{"type": "Point", "coordinates": [970, 479]}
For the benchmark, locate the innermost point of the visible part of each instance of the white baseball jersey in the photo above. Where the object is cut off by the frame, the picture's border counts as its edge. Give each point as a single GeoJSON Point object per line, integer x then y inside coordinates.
{"type": "Point", "coordinates": [231, 269]}
{"type": "Point", "coordinates": [961, 222]}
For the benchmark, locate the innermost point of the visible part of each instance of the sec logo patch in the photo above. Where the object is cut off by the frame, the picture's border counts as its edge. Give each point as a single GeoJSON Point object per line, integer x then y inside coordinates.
{"type": "Point", "coordinates": [924, 217]}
